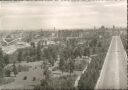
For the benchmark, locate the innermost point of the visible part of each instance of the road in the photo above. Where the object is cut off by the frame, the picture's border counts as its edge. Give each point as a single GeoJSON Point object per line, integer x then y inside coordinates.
{"type": "Point", "coordinates": [114, 71]}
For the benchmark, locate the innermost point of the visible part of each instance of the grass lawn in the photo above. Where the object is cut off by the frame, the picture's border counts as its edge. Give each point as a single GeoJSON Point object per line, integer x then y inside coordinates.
{"type": "Point", "coordinates": [6, 80]}
{"type": "Point", "coordinates": [64, 82]}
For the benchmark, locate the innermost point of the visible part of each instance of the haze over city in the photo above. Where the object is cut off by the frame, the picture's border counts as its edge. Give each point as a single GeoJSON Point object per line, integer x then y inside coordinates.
{"type": "Point", "coordinates": [62, 15]}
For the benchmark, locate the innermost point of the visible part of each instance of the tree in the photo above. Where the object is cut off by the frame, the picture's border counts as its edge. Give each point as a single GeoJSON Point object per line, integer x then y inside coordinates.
{"type": "Point", "coordinates": [62, 64]}
{"type": "Point", "coordinates": [39, 53]}
{"type": "Point", "coordinates": [50, 54]}
{"type": "Point", "coordinates": [86, 51]}
{"type": "Point", "coordinates": [7, 73]}
{"type": "Point", "coordinates": [93, 42]}
{"type": "Point", "coordinates": [6, 59]}
{"type": "Point", "coordinates": [33, 45]}
{"type": "Point", "coordinates": [99, 44]}
{"type": "Point", "coordinates": [32, 54]}
{"type": "Point", "coordinates": [71, 42]}
{"type": "Point", "coordinates": [67, 59]}
{"type": "Point", "coordinates": [19, 68]}
{"type": "Point", "coordinates": [77, 52]}
{"type": "Point", "coordinates": [20, 54]}
{"type": "Point", "coordinates": [2, 64]}
{"type": "Point", "coordinates": [28, 59]}
{"type": "Point", "coordinates": [63, 59]}
{"type": "Point", "coordinates": [71, 65]}
{"type": "Point", "coordinates": [14, 69]}
{"type": "Point", "coordinates": [46, 73]}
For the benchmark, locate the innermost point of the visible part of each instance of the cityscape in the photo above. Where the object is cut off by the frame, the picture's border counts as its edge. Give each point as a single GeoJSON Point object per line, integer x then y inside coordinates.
{"type": "Point", "coordinates": [63, 45]}
{"type": "Point", "coordinates": [58, 59]}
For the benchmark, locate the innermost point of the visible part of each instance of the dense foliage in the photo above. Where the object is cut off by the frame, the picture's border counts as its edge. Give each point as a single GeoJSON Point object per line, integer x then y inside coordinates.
{"type": "Point", "coordinates": [91, 44]}
{"type": "Point", "coordinates": [4, 60]}
{"type": "Point", "coordinates": [124, 39]}
{"type": "Point", "coordinates": [90, 77]}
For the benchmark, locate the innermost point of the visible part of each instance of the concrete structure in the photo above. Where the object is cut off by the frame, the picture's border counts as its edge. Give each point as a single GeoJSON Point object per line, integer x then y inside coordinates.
{"type": "Point", "coordinates": [114, 71]}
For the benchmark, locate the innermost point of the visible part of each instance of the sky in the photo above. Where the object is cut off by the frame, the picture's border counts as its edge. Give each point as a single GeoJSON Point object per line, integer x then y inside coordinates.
{"type": "Point", "coordinates": [62, 14]}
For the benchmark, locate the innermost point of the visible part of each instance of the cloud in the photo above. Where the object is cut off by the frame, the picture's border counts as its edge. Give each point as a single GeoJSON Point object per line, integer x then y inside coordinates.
{"type": "Point", "coordinates": [63, 15]}
{"type": "Point", "coordinates": [121, 4]}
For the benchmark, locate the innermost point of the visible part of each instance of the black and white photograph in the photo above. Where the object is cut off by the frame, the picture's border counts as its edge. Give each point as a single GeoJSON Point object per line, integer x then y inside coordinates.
{"type": "Point", "coordinates": [63, 45]}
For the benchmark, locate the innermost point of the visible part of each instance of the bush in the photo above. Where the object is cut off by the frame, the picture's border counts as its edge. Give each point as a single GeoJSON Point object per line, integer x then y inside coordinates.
{"type": "Point", "coordinates": [7, 73]}
{"type": "Point", "coordinates": [61, 83]}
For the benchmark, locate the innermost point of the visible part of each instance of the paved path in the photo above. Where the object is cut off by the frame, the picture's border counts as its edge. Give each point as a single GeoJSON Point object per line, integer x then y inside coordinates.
{"type": "Point", "coordinates": [78, 78]}
{"type": "Point", "coordinates": [114, 72]}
